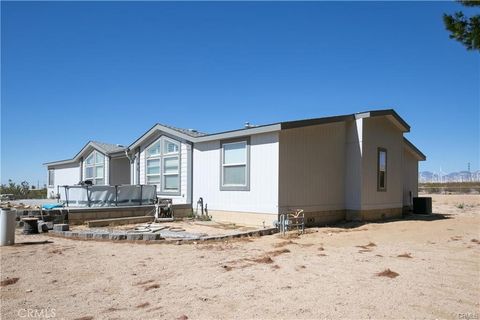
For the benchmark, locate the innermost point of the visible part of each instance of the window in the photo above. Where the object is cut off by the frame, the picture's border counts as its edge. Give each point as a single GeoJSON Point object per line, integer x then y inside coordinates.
{"type": "Point", "coordinates": [163, 165]}
{"type": "Point", "coordinates": [51, 177]}
{"type": "Point", "coordinates": [382, 169]}
{"type": "Point", "coordinates": [234, 165]}
{"type": "Point", "coordinates": [95, 168]}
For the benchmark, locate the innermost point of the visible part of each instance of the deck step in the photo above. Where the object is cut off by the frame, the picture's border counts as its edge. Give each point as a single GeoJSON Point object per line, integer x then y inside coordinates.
{"type": "Point", "coordinates": [118, 221]}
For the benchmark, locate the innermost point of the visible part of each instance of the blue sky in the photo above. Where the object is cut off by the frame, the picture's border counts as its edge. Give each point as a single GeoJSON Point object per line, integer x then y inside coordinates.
{"type": "Point", "coordinates": [73, 72]}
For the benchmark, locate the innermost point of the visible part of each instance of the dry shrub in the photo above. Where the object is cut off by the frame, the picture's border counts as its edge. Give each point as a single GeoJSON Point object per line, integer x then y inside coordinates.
{"type": "Point", "coordinates": [368, 246]}
{"type": "Point", "coordinates": [141, 283]}
{"type": "Point", "coordinates": [8, 281]}
{"type": "Point", "coordinates": [379, 255]}
{"type": "Point", "coordinates": [321, 255]}
{"type": "Point", "coordinates": [405, 255]}
{"type": "Point", "coordinates": [456, 238]}
{"type": "Point", "coordinates": [475, 240]}
{"type": "Point", "coordinates": [143, 305]}
{"type": "Point", "coordinates": [321, 249]}
{"type": "Point", "coordinates": [388, 273]}
{"type": "Point", "coordinates": [227, 268]}
{"type": "Point", "coordinates": [364, 250]}
{"type": "Point", "coordinates": [276, 267]}
{"type": "Point", "coordinates": [265, 259]}
{"type": "Point", "coordinates": [182, 317]}
{"type": "Point", "coordinates": [56, 251]}
{"type": "Point", "coordinates": [152, 286]}
{"type": "Point", "coordinates": [155, 309]}
{"type": "Point", "coordinates": [84, 318]}
{"type": "Point", "coordinates": [113, 309]}
{"type": "Point", "coordinates": [275, 253]}
{"type": "Point", "coordinates": [302, 267]}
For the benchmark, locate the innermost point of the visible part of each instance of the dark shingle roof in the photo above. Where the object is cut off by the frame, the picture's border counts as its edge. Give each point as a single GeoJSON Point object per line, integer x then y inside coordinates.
{"type": "Point", "coordinates": [108, 147]}
{"type": "Point", "coordinates": [189, 132]}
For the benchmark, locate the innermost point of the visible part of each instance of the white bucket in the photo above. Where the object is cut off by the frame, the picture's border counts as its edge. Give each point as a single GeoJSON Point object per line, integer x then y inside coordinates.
{"type": "Point", "coordinates": [7, 227]}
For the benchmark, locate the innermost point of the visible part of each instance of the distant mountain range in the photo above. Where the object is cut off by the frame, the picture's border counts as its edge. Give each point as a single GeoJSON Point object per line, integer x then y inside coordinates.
{"type": "Point", "coordinates": [461, 176]}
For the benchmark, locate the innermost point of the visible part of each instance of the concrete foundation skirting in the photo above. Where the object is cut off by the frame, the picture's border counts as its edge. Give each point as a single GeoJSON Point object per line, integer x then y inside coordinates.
{"type": "Point", "coordinates": [182, 210]}
{"type": "Point", "coordinates": [81, 215]}
{"type": "Point", "coordinates": [322, 218]}
{"type": "Point", "coordinates": [243, 218]}
{"type": "Point", "coordinates": [373, 214]}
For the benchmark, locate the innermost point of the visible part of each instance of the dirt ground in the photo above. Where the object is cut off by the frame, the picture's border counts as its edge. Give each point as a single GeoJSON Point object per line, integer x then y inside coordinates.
{"type": "Point", "coordinates": [433, 272]}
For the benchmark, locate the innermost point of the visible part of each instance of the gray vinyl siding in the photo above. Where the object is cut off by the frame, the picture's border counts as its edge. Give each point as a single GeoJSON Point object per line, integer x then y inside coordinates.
{"type": "Point", "coordinates": [262, 197]}
{"type": "Point", "coordinates": [312, 168]}
{"type": "Point", "coordinates": [379, 132]}
{"type": "Point", "coordinates": [410, 176]}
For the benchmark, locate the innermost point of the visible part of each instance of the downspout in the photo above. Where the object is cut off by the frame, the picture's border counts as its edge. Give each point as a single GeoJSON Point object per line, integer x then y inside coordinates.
{"type": "Point", "coordinates": [109, 169]}
{"type": "Point", "coordinates": [191, 175]}
{"type": "Point", "coordinates": [81, 169]}
{"type": "Point", "coordinates": [132, 165]}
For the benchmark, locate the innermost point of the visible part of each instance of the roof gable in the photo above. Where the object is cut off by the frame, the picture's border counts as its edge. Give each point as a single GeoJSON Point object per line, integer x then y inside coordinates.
{"type": "Point", "coordinates": [103, 147]}
{"type": "Point", "coordinates": [411, 147]}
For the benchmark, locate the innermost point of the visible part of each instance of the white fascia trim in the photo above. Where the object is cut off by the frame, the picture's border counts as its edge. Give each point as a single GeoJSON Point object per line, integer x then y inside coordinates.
{"type": "Point", "coordinates": [239, 133]}
{"type": "Point", "coordinates": [211, 137]}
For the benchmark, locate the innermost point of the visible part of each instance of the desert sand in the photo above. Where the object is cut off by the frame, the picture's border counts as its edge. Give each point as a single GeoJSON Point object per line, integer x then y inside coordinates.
{"type": "Point", "coordinates": [433, 272]}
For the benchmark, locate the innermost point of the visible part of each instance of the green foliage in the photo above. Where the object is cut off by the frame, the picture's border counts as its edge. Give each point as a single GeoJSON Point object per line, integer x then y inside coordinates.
{"type": "Point", "coordinates": [450, 187]}
{"type": "Point", "coordinates": [464, 29]}
{"type": "Point", "coordinates": [22, 190]}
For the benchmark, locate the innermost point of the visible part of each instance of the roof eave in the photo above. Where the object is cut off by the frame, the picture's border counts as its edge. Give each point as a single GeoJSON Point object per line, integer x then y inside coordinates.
{"type": "Point", "coordinates": [61, 162]}
{"type": "Point", "coordinates": [159, 127]}
{"type": "Point", "coordinates": [415, 150]}
{"type": "Point", "coordinates": [394, 116]}
{"type": "Point", "coordinates": [240, 133]}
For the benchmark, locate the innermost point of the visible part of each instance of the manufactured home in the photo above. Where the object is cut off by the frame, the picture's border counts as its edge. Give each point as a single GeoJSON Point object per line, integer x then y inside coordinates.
{"type": "Point", "coordinates": [355, 167]}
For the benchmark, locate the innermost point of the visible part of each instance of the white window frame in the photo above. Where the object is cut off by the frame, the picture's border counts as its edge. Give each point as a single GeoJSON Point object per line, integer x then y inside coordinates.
{"type": "Point", "coordinates": [161, 157]}
{"type": "Point", "coordinates": [381, 188]}
{"type": "Point", "coordinates": [235, 187]}
{"type": "Point", "coordinates": [51, 178]}
{"type": "Point", "coordinates": [94, 167]}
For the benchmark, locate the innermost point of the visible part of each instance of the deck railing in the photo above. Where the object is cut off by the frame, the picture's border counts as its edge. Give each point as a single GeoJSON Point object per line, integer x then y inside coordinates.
{"type": "Point", "coordinates": [107, 196]}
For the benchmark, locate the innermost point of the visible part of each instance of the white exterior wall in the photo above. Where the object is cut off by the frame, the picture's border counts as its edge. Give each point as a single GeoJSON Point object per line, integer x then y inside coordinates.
{"type": "Point", "coordinates": [381, 132]}
{"type": "Point", "coordinates": [353, 164]}
{"type": "Point", "coordinates": [64, 175]}
{"type": "Point", "coordinates": [410, 176]}
{"type": "Point", "coordinates": [312, 168]}
{"type": "Point", "coordinates": [185, 178]}
{"type": "Point", "coordinates": [263, 194]}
